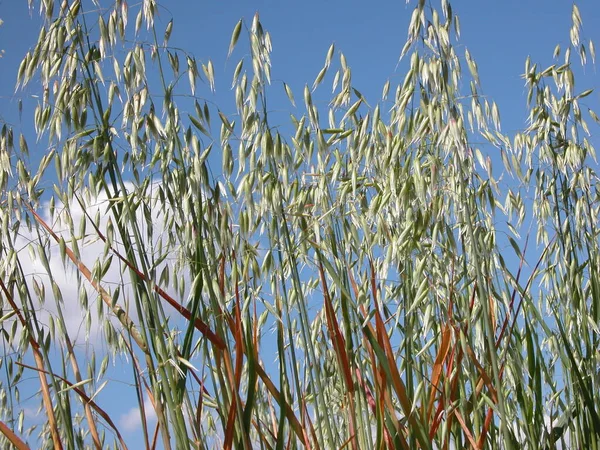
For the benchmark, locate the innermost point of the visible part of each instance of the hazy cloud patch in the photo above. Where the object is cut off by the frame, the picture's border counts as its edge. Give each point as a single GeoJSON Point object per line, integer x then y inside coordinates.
{"type": "Point", "coordinates": [132, 419]}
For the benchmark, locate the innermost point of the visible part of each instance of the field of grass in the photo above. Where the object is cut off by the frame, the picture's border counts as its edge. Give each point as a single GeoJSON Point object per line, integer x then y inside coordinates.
{"type": "Point", "coordinates": [359, 282]}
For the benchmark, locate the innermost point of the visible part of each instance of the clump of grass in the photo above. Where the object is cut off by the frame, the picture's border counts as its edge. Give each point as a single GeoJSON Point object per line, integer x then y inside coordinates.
{"type": "Point", "coordinates": [343, 284]}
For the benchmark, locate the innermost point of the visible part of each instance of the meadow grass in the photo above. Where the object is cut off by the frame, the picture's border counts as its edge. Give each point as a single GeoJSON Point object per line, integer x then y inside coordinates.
{"type": "Point", "coordinates": [359, 282]}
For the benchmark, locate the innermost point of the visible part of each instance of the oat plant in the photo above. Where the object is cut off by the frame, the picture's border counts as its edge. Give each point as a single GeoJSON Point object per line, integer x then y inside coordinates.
{"type": "Point", "coordinates": [361, 277]}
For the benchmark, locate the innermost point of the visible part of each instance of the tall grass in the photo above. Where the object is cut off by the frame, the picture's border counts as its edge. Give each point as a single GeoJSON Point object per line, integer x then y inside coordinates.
{"type": "Point", "coordinates": [362, 281]}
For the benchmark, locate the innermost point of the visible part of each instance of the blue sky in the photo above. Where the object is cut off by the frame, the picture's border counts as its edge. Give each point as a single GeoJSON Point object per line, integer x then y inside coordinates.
{"type": "Point", "coordinates": [499, 34]}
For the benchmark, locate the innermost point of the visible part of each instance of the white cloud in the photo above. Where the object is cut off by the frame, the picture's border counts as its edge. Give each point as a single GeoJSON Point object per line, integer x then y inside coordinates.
{"type": "Point", "coordinates": [132, 419]}
{"type": "Point", "coordinates": [65, 278]}
{"type": "Point", "coordinates": [81, 322]}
